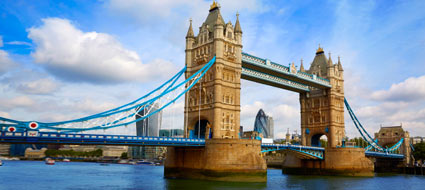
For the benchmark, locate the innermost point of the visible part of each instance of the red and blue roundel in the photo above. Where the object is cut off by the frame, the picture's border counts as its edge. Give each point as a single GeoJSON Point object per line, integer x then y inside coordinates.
{"type": "Point", "coordinates": [33, 125]}
{"type": "Point", "coordinates": [11, 129]}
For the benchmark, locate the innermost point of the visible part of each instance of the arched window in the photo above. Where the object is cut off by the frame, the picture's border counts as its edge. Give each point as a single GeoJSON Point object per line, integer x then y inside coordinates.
{"type": "Point", "coordinates": [229, 34]}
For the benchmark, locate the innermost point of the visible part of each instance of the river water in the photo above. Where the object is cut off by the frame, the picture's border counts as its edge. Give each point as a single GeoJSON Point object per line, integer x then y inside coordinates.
{"type": "Point", "coordinates": [35, 175]}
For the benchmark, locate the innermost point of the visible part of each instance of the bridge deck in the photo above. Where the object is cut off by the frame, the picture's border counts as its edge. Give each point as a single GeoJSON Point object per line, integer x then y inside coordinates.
{"type": "Point", "coordinates": [95, 139]}
{"type": "Point", "coordinates": [36, 137]}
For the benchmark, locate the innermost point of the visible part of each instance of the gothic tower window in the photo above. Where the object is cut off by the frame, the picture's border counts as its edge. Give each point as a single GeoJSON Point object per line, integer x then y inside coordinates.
{"type": "Point", "coordinates": [229, 34]}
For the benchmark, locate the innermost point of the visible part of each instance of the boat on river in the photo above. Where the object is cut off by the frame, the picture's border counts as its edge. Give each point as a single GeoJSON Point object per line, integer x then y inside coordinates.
{"type": "Point", "coordinates": [50, 161]}
{"type": "Point", "coordinates": [1, 163]}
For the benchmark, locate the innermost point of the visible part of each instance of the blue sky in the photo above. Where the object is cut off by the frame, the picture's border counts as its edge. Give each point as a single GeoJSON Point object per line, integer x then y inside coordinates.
{"type": "Point", "coordinates": [66, 59]}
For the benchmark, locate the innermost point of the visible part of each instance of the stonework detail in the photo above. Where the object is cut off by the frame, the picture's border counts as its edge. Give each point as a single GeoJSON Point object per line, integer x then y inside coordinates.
{"type": "Point", "coordinates": [322, 110]}
{"type": "Point", "coordinates": [217, 97]}
{"type": "Point", "coordinates": [389, 136]}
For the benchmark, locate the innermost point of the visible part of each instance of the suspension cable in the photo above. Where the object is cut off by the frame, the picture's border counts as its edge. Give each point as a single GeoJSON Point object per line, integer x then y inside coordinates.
{"type": "Point", "coordinates": [199, 110]}
{"type": "Point", "coordinates": [190, 82]}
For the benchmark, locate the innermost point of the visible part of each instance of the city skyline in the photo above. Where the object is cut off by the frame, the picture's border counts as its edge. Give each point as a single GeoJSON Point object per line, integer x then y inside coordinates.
{"type": "Point", "coordinates": [59, 61]}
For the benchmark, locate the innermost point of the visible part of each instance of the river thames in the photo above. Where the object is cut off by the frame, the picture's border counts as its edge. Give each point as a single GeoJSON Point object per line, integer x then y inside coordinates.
{"type": "Point", "coordinates": [81, 175]}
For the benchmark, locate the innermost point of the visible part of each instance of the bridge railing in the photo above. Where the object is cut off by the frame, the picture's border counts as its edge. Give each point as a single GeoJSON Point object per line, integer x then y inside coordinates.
{"type": "Point", "coordinates": [283, 69]}
{"type": "Point", "coordinates": [291, 146]}
{"type": "Point", "coordinates": [274, 79]}
{"type": "Point", "coordinates": [53, 135]}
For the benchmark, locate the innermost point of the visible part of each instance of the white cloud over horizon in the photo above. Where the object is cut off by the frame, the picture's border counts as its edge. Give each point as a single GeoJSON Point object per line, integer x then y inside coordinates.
{"type": "Point", "coordinates": [76, 56]}
{"type": "Point", "coordinates": [410, 90]}
{"type": "Point", "coordinates": [40, 86]}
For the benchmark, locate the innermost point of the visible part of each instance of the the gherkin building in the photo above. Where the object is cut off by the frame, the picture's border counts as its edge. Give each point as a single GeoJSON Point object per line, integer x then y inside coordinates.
{"type": "Point", "coordinates": [264, 124]}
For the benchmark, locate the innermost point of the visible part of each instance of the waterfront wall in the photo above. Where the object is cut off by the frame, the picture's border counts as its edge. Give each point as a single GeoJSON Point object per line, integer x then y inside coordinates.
{"type": "Point", "coordinates": [220, 159]}
{"type": "Point", "coordinates": [338, 161]}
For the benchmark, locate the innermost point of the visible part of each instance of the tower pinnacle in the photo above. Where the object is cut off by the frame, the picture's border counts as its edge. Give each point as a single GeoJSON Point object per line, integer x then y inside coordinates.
{"type": "Point", "coordinates": [319, 50]}
{"type": "Point", "coordinates": [339, 64]}
{"type": "Point", "coordinates": [238, 25]}
{"type": "Point", "coordinates": [214, 6]}
{"type": "Point", "coordinates": [190, 33]}
{"type": "Point", "coordinates": [330, 63]}
{"type": "Point", "coordinates": [302, 66]}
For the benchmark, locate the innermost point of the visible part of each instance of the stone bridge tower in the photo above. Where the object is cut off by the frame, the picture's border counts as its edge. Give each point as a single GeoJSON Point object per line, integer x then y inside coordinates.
{"type": "Point", "coordinates": [212, 108]}
{"type": "Point", "coordinates": [322, 110]}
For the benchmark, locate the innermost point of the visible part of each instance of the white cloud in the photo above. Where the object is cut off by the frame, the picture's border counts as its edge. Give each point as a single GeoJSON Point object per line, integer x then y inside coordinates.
{"type": "Point", "coordinates": [412, 89]}
{"type": "Point", "coordinates": [91, 106]}
{"type": "Point", "coordinates": [5, 62]}
{"type": "Point", "coordinates": [284, 111]}
{"type": "Point", "coordinates": [4, 114]}
{"type": "Point", "coordinates": [251, 110]}
{"type": "Point", "coordinates": [19, 43]}
{"type": "Point", "coordinates": [40, 86]}
{"type": "Point", "coordinates": [17, 102]}
{"type": "Point", "coordinates": [74, 55]}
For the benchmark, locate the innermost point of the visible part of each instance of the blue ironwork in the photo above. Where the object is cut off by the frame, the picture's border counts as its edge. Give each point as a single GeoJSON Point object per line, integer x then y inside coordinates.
{"type": "Point", "coordinates": [274, 80]}
{"type": "Point", "coordinates": [37, 137]}
{"type": "Point", "coordinates": [365, 135]}
{"type": "Point", "coordinates": [96, 139]}
{"type": "Point", "coordinates": [122, 110]}
{"type": "Point", "coordinates": [263, 63]}
{"type": "Point", "coordinates": [308, 151]}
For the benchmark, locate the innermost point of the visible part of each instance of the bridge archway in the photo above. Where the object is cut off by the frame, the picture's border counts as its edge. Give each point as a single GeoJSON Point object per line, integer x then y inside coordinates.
{"type": "Point", "coordinates": [319, 140]}
{"type": "Point", "coordinates": [200, 129]}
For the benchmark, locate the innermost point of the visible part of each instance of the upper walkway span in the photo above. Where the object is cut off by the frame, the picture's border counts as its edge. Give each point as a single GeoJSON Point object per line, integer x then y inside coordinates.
{"type": "Point", "coordinates": [267, 72]}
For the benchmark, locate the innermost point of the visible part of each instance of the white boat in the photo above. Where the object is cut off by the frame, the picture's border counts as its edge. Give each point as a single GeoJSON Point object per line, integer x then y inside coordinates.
{"type": "Point", "coordinates": [1, 163]}
{"type": "Point", "coordinates": [50, 161]}
{"type": "Point", "coordinates": [66, 160]}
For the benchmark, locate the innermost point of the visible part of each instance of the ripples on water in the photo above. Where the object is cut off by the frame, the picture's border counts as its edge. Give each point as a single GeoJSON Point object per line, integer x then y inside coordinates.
{"type": "Point", "coordinates": [79, 175]}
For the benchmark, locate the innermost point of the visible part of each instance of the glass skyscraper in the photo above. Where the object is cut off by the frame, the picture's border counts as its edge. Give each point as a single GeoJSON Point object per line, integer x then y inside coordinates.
{"type": "Point", "coordinates": [264, 124]}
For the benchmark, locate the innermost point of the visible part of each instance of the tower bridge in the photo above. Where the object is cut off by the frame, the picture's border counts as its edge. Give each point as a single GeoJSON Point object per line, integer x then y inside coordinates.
{"type": "Point", "coordinates": [212, 148]}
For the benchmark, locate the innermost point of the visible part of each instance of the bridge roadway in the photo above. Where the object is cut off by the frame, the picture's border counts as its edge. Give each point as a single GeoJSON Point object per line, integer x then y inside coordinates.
{"type": "Point", "coordinates": [36, 137]}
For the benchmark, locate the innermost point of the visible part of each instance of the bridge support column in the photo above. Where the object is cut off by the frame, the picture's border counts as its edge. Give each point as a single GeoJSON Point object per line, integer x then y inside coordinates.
{"type": "Point", "coordinates": [219, 160]}
{"type": "Point", "coordinates": [337, 161]}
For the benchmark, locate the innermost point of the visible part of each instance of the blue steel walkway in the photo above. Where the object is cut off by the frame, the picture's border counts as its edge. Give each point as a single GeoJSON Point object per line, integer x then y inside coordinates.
{"type": "Point", "coordinates": [36, 137]}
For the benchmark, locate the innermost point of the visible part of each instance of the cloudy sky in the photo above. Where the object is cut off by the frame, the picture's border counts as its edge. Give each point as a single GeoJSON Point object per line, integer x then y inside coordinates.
{"type": "Point", "coordinates": [63, 60]}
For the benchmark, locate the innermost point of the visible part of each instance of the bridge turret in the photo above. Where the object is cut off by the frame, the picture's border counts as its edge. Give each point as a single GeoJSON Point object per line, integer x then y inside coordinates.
{"type": "Point", "coordinates": [238, 30]}
{"type": "Point", "coordinates": [302, 66]}
{"type": "Point", "coordinates": [190, 40]}
{"type": "Point", "coordinates": [331, 67]}
{"type": "Point", "coordinates": [322, 110]}
{"type": "Point", "coordinates": [213, 107]}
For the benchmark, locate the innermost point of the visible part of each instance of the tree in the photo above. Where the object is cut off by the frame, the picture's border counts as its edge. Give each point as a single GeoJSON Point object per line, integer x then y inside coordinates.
{"type": "Point", "coordinates": [419, 152]}
{"type": "Point", "coordinates": [323, 143]}
{"type": "Point", "coordinates": [124, 155]}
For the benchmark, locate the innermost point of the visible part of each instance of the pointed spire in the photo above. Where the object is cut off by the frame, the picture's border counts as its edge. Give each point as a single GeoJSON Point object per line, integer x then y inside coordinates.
{"type": "Point", "coordinates": [319, 50]}
{"type": "Point", "coordinates": [214, 6]}
{"type": "Point", "coordinates": [238, 25]}
{"type": "Point", "coordinates": [190, 33]}
{"type": "Point", "coordinates": [339, 64]}
{"type": "Point", "coordinates": [330, 63]}
{"type": "Point", "coordinates": [302, 66]}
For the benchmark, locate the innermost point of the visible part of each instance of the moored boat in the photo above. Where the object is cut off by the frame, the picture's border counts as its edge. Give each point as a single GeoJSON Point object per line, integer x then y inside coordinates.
{"type": "Point", "coordinates": [66, 160]}
{"type": "Point", "coordinates": [50, 161]}
{"type": "Point", "coordinates": [1, 163]}
{"type": "Point", "coordinates": [144, 162]}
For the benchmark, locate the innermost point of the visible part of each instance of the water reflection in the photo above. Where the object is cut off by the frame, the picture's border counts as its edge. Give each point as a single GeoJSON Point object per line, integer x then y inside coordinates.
{"type": "Point", "coordinates": [74, 175]}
